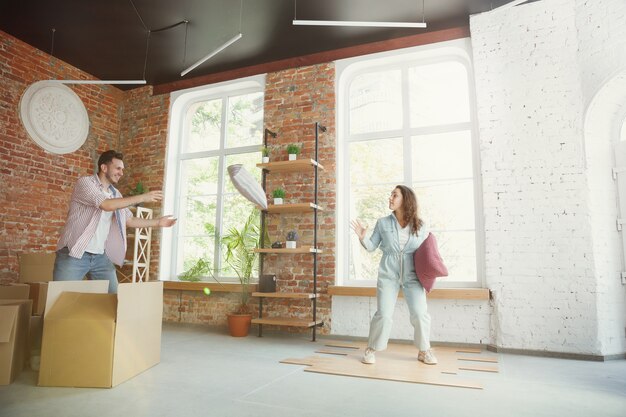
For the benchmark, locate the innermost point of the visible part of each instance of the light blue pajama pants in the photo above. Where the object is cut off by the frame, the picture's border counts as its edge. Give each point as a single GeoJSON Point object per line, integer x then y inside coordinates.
{"type": "Point", "coordinates": [386, 296]}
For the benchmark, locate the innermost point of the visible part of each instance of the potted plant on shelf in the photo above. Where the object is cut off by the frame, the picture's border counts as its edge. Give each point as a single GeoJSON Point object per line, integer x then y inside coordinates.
{"type": "Point", "coordinates": [293, 150]}
{"type": "Point", "coordinates": [266, 154]}
{"type": "Point", "coordinates": [278, 195]}
{"type": "Point", "coordinates": [241, 257]}
{"type": "Point", "coordinates": [292, 237]}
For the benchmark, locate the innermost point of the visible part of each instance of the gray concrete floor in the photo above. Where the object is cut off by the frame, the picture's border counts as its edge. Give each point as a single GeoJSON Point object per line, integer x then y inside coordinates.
{"type": "Point", "coordinates": [204, 372]}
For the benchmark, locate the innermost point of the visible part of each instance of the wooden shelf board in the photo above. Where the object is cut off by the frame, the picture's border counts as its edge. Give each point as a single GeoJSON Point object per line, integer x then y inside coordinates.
{"type": "Point", "coordinates": [283, 295]}
{"type": "Point", "coordinates": [303, 249]}
{"type": "Point", "coordinates": [292, 208]}
{"type": "Point", "coordinates": [298, 165]}
{"type": "Point", "coordinates": [286, 321]}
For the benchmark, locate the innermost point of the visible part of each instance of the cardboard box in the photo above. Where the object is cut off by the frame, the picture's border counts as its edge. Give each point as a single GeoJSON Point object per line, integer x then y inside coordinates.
{"type": "Point", "coordinates": [36, 267]}
{"type": "Point", "coordinates": [38, 293]}
{"type": "Point", "coordinates": [99, 339]}
{"type": "Point", "coordinates": [14, 292]}
{"type": "Point", "coordinates": [14, 325]}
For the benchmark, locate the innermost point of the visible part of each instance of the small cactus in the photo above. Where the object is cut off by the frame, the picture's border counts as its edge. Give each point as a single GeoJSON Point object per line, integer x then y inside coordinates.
{"type": "Point", "coordinates": [292, 235]}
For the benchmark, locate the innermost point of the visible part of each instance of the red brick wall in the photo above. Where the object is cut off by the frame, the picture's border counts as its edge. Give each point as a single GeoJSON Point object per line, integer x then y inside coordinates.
{"type": "Point", "coordinates": [294, 100]}
{"type": "Point", "coordinates": [143, 139]}
{"type": "Point", "coordinates": [36, 184]}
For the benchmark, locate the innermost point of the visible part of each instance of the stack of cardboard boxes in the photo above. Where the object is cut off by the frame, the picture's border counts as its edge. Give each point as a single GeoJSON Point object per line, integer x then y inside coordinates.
{"type": "Point", "coordinates": [87, 338]}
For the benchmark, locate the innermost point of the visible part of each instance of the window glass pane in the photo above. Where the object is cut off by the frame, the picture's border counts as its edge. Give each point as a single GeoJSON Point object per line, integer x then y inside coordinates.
{"type": "Point", "coordinates": [199, 176]}
{"type": "Point", "coordinates": [375, 102]}
{"type": "Point", "coordinates": [446, 205]}
{"type": "Point", "coordinates": [368, 204]}
{"type": "Point", "coordinates": [441, 156]}
{"type": "Point", "coordinates": [204, 127]}
{"type": "Point", "coordinates": [438, 94]}
{"type": "Point", "coordinates": [376, 161]}
{"type": "Point", "coordinates": [458, 251]}
{"type": "Point", "coordinates": [244, 124]}
{"type": "Point", "coordinates": [191, 249]}
{"type": "Point", "coordinates": [200, 216]}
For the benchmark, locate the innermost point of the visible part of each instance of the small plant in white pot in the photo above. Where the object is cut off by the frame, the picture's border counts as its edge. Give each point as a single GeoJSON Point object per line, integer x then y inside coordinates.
{"type": "Point", "coordinates": [292, 237]}
{"type": "Point", "coordinates": [266, 154]}
{"type": "Point", "coordinates": [293, 150]}
{"type": "Point", "coordinates": [278, 195]}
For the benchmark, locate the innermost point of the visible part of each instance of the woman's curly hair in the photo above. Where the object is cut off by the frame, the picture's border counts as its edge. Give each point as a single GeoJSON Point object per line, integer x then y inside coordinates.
{"type": "Point", "coordinates": [410, 208]}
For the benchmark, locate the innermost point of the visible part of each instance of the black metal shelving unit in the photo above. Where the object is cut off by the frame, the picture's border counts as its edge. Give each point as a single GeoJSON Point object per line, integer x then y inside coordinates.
{"type": "Point", "coordinates": [288, 167]}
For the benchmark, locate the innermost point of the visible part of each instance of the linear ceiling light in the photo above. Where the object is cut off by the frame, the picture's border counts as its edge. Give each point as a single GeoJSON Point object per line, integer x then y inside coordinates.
{"type": "Point", "coordinates": [100, 81]}
{"type": "Point", "coordinates": [359, 23]}
{"type": "Point", "coordinates": [212, 54]}
{"type": "Point", "coordinates": [354, 23]}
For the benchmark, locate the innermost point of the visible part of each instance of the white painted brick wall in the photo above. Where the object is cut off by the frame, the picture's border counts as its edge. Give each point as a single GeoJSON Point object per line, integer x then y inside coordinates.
{"type": "Point", "coordinates": [602, 36]}
{"type": "Point", "coordinates": [601, 133]}
{"type": "Point", "coordinates": [539, 257]}
{"type": "Point", "coordinates": [602, 56]}
{"type": "Point", "coordinates": [550, 246]}
{"type": "Point", "coordinates": [459, 321]}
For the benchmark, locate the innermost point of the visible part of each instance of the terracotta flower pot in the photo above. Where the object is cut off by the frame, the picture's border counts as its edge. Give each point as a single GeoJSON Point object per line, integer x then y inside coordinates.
{"type": "Point", "coordinates": [239, 324]}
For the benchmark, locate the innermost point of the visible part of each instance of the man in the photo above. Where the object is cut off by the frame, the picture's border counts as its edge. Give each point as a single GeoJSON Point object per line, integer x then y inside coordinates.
{"type": "Point", "coordinates": [94, 236]}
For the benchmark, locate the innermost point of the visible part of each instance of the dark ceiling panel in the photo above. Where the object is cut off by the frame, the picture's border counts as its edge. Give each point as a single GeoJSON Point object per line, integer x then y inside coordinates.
{"type": "Point", "coordinates": [108, 39]}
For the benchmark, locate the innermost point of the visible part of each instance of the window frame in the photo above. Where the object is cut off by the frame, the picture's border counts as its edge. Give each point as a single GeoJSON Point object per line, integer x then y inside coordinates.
{"type": "Point", "coordinates": [346, 72]}
{"type": "Point", "coordinates": [180, 104]}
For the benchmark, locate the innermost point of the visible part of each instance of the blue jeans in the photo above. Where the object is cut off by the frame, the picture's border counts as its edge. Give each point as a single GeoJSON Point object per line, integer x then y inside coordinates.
{"type": "Point", "coordinates": [386, 295]}
{"type": "Point", "coordinates": [97, 267]}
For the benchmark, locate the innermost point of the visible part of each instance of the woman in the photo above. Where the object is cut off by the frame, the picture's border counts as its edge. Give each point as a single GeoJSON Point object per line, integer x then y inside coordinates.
{"type": "Point", "coordinates": [398, 236]}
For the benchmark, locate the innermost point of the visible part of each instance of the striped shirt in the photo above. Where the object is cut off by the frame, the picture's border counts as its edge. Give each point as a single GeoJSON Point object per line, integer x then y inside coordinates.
{"type": "Point", "coordinates": [84, 215]}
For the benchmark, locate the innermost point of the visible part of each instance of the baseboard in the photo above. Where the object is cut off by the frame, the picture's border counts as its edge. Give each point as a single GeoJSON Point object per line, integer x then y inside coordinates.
{"type": "Point", "coordinates": [561, 355]}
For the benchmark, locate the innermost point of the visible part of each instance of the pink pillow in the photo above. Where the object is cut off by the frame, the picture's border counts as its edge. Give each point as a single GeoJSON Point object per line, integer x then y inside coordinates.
{"type": "Point", "coordinates": [428, 263]}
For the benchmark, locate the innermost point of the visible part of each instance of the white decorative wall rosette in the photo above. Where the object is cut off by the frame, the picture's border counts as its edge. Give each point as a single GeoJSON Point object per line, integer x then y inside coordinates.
{"type": "Point", "coordinates": [54, 117]}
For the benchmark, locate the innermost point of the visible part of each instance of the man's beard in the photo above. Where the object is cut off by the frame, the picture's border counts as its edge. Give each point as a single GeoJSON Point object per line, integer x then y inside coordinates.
{"type": "Point", "coordinates": [110, 179]}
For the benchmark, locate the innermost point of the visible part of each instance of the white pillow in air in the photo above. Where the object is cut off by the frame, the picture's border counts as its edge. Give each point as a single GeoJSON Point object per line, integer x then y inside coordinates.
{"type": "Point", "coordinates": [247, 185]}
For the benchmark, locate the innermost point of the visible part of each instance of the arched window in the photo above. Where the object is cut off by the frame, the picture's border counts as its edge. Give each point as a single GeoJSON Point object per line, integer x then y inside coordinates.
{"type": "Point", "coordinates": [212, 127]}
{"type": "Point", "coordinates": [407, 117]}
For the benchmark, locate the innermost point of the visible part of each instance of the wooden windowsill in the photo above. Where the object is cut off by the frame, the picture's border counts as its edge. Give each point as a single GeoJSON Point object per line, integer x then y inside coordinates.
{"type": "Point", "coordinates": [201, 285]}
{"type": "Point", "coordinates": [438, 293]}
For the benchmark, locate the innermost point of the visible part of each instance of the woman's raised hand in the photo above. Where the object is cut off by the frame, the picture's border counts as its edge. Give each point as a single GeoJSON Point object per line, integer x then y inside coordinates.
{"type": "Point", "coordinates": [358, 228]}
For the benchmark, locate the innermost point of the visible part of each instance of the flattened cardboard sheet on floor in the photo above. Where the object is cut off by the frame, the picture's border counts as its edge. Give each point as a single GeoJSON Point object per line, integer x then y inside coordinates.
{"type": "Point", "coordinates": [399, 363]}
{"type": "Point", "coordinates": [99, 339]}
{"type": "Point", "coordinates": [14, 324]}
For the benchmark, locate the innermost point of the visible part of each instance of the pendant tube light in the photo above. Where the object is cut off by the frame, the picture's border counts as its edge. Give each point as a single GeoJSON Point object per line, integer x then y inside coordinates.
{"type": "Point", "coordinates": [100, 81]}
{"type": "Point", "coordinates": [298, 22]}
{"type": "Point", "coordinates": [212, 54]}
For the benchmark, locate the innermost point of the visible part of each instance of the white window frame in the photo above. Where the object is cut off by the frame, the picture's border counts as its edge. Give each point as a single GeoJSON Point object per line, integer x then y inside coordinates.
{"type": "Point", "coordinates": [180, 102]}
{"type": "Point", "coordinates": [458, 50]}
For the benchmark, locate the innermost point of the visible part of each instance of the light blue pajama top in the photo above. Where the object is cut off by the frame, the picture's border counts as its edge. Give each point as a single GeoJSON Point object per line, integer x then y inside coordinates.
{"type": "Point", "coordinates": [396, 262]}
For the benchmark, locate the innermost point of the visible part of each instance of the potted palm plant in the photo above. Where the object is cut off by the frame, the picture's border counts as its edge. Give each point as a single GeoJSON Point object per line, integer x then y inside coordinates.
{"type": "Point", "coordinates": [241, 257]}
